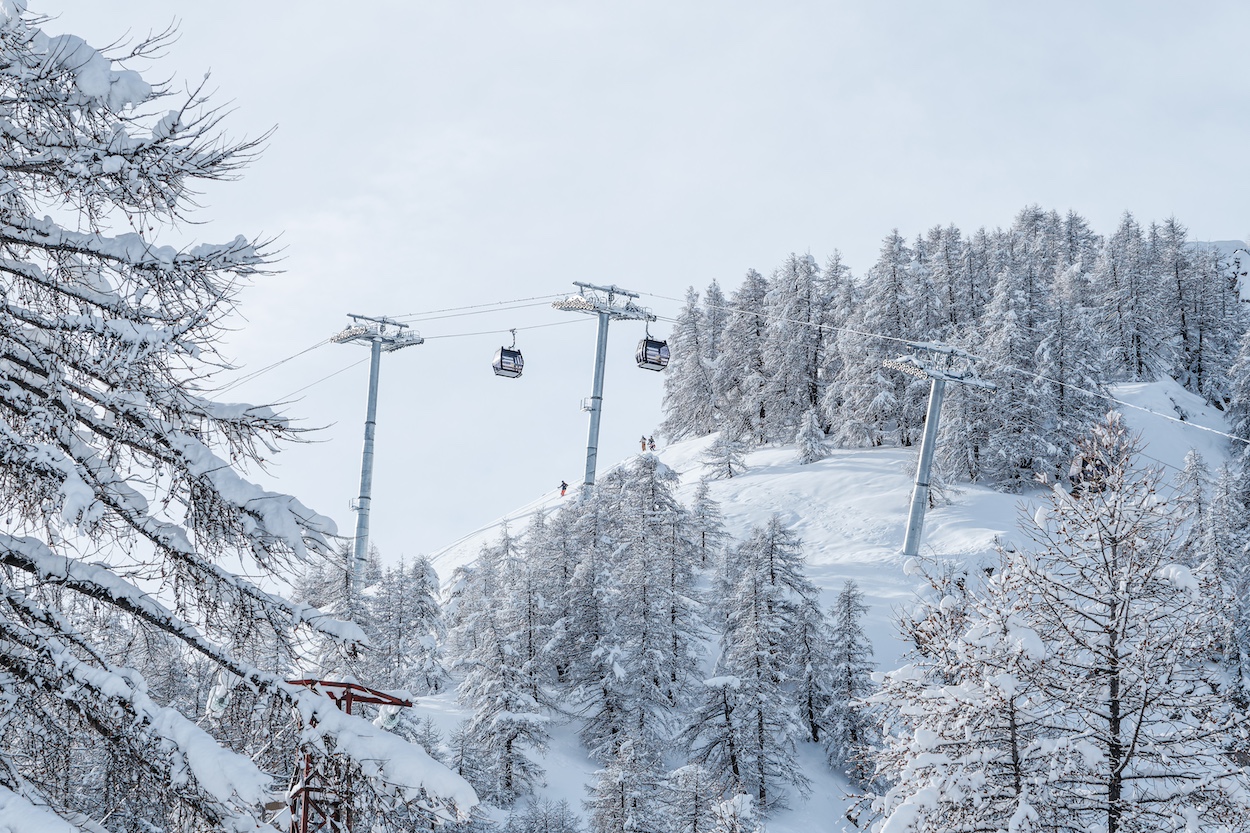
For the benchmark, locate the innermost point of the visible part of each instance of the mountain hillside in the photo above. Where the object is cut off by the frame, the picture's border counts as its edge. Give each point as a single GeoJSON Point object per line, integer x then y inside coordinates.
{"type": "Point", "coordinates": [850, 509]}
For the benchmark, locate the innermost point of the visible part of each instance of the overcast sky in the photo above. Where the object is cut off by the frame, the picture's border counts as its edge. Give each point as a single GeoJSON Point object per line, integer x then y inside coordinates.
{"type": "Point", "coordinates": [437, 155]}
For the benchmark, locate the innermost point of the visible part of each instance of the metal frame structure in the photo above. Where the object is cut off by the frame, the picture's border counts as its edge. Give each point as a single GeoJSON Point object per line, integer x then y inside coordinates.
{"type": "Point", "coordinates": [320, 794]}
{"type": "Point", "coordinates": [913, 366]}
{"type": "Point", "coordinates": [373, 332]}
{"type": "Point", "coordinates": [600, 301]}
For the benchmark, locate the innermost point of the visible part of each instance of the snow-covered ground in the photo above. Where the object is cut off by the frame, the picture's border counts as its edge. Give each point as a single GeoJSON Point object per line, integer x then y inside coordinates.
{"type": "Point", "coordinates": [850, 510]}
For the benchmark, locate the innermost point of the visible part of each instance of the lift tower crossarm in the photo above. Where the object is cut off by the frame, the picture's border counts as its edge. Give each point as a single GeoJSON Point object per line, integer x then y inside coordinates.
{"type": "Point", "coordinates": [600, 301]}
{"type": "Point", "coordinates": [375, 332]}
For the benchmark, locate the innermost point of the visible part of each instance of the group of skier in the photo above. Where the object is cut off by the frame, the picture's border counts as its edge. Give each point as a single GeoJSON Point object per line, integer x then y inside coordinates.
{"type": "Point", "coordinates": [647, 444]}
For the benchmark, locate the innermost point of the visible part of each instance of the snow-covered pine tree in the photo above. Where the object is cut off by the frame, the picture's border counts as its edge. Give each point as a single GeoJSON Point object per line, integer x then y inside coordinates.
{"type": "Point", "coordinates": [689, 394]}
{"type": "Point", "coordinates": [654, 616]}
{"type": "Point", "coordinates": [707, 525]}
{"type": "Point", "coordinates": [625, 795]}
{"type": "Point", "coordinates": [1221, 319]}
{"type": "Point", "coordinates": [716, 319]}
{"type": "Point", "coordinates": [844, 297]}
{"type": "Point", "coordinates": [118, 466]}
{"type": "Point", "coordinates": [592, 644]}
{"type": "Point", "coordinates": [741, 379]}
{"type": "Point", "coordinates": [553, 556]}
{"type": "Point", "coordinates": [544, 816]}
{"type": "Point", "coordinates": [949, 275]}
{"type": "Point", "coordinates": [688, 797]}
{"type": "Point", "coordinates": [1100, 641]}
{"type": "Point", "coordinates": [1130, 295]}
{"type": "Point", "coordinates": [716, 730]}
{"type": "Point", "coordinates": [798, 305]}
{"type": "Point", "coordinates": [1067, 358]}
{"type": "Point", "coordinates": [1017, 426]}
{"type": "Point", "coordinates": [1173, 261]}
{"type": "Point", "coordinates": [1221, 551]}
{"type": "Point", "coordinates": [813, 672]}
{"type": "Point", "coordinates": [749, 721]}
{"type": "Point", "coordinates": [406, 630]}
{"type": "Point", "coordinates": [1239, 395]}
{"type": "Point", "coordinates": [726, 456]}
{"type": "Point", "coordinates": [880, 406]}
{"type": "Point", "coordinates": [1127, 629]}
{"type": "Point", "coordinates": [811, 442]}
{"type": "Point", "coordinates": [848, 724]}
{"type": "Point", "coordinates": [508, 720]}
{"type": "Point", "coordinates": [961, 722]}
{"type": "Point", "coordinates": [1193, 486]}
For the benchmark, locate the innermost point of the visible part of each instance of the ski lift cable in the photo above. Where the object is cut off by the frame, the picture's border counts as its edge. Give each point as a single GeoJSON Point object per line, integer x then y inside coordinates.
{"type": "Point", "coordinates": [540, 299]}
{"type": "Point", "coordinates": [538, 504]}
{"type": "Point", "coordinates": [1100, 395]}
{"type": "Point", "coordinates": [427, 338]}
{"type": "Point", "coordinates": [412, 316]}
{"type": "Point", "coordinates": [323, 378]}
{"type": "Point", "coordinates": [255, 373]}
{"type": "Point", "coordinates": [509, 329]}
{"type": "Point", "coordinates": [1028, 373]}
{"type": "Point", "coordinates": [432, 317]}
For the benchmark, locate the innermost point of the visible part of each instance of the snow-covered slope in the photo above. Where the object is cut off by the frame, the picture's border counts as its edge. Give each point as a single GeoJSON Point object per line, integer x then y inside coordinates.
{"type": "Point", "coordinates": [850, 510]}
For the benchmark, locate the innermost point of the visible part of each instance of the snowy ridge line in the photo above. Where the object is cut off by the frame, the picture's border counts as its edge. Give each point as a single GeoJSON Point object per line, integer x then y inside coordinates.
{"type": "Point", "coordinates": [1007, 367]}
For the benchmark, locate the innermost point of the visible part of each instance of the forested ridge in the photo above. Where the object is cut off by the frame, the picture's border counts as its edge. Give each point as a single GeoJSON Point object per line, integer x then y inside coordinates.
{"type": "Point", "coordinates": [1052, 311]}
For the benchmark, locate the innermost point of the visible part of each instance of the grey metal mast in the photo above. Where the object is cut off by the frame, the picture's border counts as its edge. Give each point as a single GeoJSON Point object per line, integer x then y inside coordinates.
{"type": "Point", "coordinates": [911, 365]}
{"type": "Point", "coordinates": [600, 301]}
{"type": "Point", "coordinates": [373, 332]}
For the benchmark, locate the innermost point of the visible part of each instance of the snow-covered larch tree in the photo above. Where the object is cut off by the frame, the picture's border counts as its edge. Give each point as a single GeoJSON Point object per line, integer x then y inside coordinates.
{"type": "Point", "coordinates": [119, 469]}
{"type": "Point", "coordinates": [1073, 692]}
{"type": "Point", "coordinates": [847, 722]}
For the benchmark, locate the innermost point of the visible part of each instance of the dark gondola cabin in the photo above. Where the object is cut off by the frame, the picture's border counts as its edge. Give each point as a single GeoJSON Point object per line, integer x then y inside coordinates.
{"type": "Point", "coordinates": [508, 362]}
{"type": "Point", "coordinates": [652, 354]}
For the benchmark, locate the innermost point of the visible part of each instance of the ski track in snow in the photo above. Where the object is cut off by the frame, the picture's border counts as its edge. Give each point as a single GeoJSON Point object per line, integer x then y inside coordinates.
{"type": "Point", "coordinates": [850, 511]}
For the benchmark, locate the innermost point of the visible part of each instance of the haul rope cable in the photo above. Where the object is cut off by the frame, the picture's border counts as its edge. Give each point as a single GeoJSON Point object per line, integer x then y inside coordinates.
{"type": "Point", "coordinates": [415, 318]}
{"type": "Point", "coordinates": [427, 338]}
{"type": "Point", "coordinates": [540, 298]}
{"type": "Point", "coordinates": [495, 306]}
{"type": "Point", "coordinates": [250, 376]}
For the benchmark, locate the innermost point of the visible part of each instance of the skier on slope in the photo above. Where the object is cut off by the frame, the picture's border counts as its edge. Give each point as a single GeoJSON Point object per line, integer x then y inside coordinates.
{"type": "Point", "coordinates": [563, 488]}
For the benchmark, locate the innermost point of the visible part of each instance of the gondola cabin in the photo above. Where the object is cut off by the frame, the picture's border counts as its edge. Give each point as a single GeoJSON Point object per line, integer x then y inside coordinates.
{"type": "Point", "coordinates": [652, 354]}
{"type": "Point", "coordinates": [508, 362]}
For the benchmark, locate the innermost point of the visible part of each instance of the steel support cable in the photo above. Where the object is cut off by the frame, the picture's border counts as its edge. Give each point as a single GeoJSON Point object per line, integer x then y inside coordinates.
{"type": "Point", "coordinates": [475, 312]}
{"type": "Point", "coordinates": [286, 397]}
{"type": "Point", "coordinates": [508, 329]}
{"type": "Point", "coordinates": [255, 373]}
{"type": "Point", "coordinates": [541, 299]}
{"type": "Point", "coordinates": [412, 316]}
